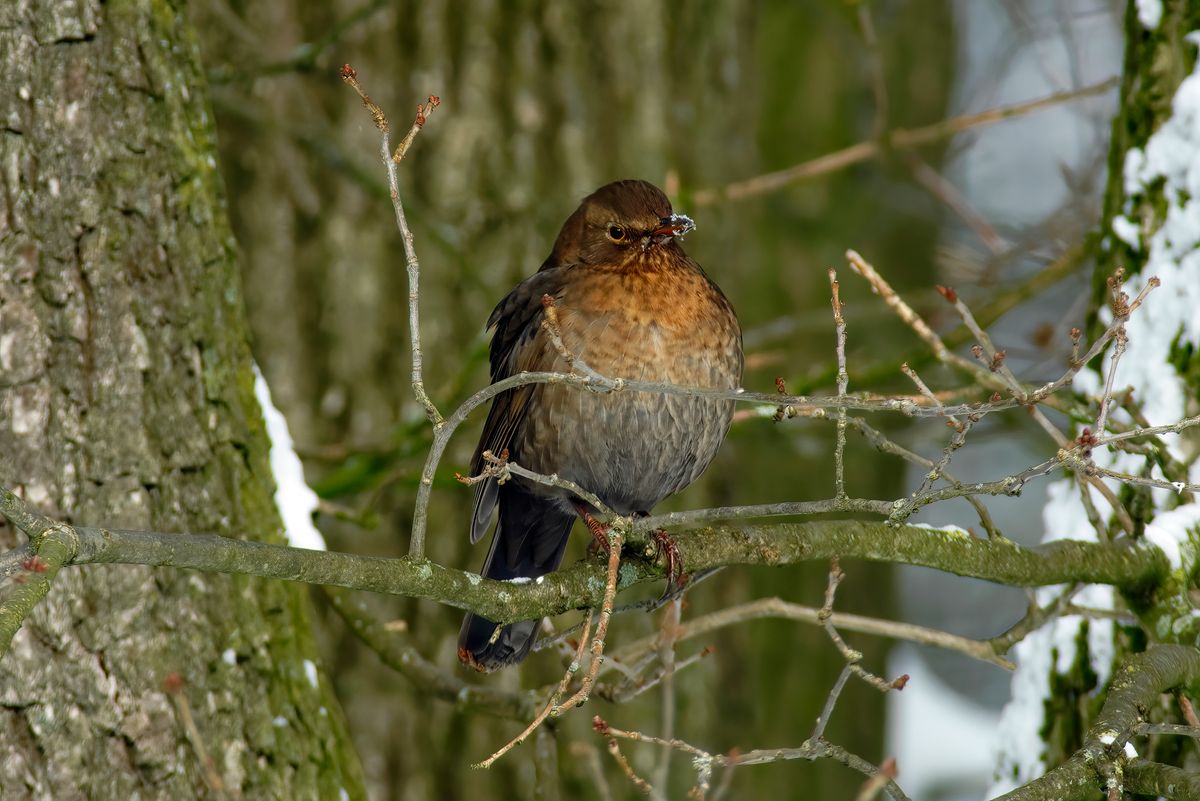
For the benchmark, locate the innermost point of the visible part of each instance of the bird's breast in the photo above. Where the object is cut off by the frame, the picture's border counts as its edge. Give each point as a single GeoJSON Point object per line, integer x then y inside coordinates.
{"type": "Point", "coordinates": [635, 448]}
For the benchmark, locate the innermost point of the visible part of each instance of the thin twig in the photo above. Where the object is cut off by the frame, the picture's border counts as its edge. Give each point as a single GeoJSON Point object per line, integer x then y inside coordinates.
{"type": "Point", "coordinates": [839, 323]}
{"type": "Point", "coordinates": [501, 469]}
{"type": "Point", "coordinates": [937, 185]}
{"type": "Point", "coordinates": [591, 759]}
{"type": "Point", "coordinates": [810, 750]}
{"type": "Point", "coordinates": [413, 267]}
{"type": "Point", "coordinates": [668, 631]}
{"type": "Point", "coordinates": [899, 139]}
{"type": "Point", "coordinates": [551, 707]}
{"type": "Point", "coordinates": [423, 112]}
{"type": "Point", "coordinates": [635, 683]}
{"type": "Point", "coordinates": [174, 686]}
{"type": "Point", "coordinates": [886, 445]}
{"type": "Point", "coordinates": [876, 784]}
{"type": "Point", "coordinates": [614, 748]}
{"type": "Point", "coordinates": [555, 706]}
{"type": "Point", "coordinates": [830, 702]}
{"type": "Point", "coordinates": [553, 329]}
{"type": "Point", "coordinates": [884, 290]}
{"type": "Point", "coordinates": [1167, 728]}
{"type": "Point", "coordinates": [995, 361]}
{"type": "Point", "coordinates": [853, 658]}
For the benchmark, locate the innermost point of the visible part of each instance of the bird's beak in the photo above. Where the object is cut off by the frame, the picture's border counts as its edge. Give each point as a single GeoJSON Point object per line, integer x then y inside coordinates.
{"type": "Point", "coordinates": [675, 225]}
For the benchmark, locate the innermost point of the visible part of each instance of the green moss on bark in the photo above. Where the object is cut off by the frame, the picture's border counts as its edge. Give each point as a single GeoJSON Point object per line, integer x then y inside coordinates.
{"type": "Point", "coordinates": [134, 406]}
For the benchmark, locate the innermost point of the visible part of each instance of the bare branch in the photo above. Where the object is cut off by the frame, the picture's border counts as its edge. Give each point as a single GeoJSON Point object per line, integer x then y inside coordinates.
{"type": "Point", "coordinates": [1135, 686]}
{"type": "Point", "coordinates": [1124, 564]}
{"type": "Point", "coordinates": [839, 481]}
{"type": "Point", "coordinates": [899, 139]}
{"type": "Point", "coordinates": [555, 706]}
{"type": "Point", "coordinates": [778, 608]}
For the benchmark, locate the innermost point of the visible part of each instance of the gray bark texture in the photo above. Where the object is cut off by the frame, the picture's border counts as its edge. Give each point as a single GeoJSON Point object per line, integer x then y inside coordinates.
{"type": "Point", "coordinates": [126, 396]}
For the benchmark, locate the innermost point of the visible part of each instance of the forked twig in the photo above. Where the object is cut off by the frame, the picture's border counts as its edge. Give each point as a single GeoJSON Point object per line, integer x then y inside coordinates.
{"type": "Point", "coordinates": [553, 707]}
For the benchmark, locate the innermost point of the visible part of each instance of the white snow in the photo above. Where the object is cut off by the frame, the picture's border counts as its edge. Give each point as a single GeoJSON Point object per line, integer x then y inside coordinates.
{"type": "Point", "coordinates": [310, 672]}
{"type": "Point", "coordinates": [948, 529]}
{"type": "Point", "coordinates": [1149, 13]}
{"type": "Point", "coordinates": [1020, 744]}
{"type": "Point", "coordinates": [1174, 257]}
{"type": "Point", "coordinates": [966, 732]}
{"type": "Point", "coordinates": [294, 498]}
{"type": "Point", "coordinates": [1170, 532]}
{"type": "Point", "coordinates": [1127, 231]}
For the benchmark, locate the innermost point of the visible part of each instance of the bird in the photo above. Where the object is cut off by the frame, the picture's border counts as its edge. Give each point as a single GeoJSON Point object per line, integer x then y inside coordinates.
{"type": "Point", "coordinates": [629, 303]}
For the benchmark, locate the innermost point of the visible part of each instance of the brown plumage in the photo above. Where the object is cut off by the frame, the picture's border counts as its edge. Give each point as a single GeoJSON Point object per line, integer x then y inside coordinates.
{"type": "Point", "coordinates": [631, 304]}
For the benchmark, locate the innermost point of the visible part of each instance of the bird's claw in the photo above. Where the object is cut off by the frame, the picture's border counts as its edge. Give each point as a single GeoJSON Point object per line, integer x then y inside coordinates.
{"type": "Point", "coordinates": [600, 543]}
{"type": "Point", "coordinates": [666, 549]}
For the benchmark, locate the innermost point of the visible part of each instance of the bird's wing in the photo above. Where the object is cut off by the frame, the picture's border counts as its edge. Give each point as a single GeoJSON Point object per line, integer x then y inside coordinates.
{"type": "Point", "coordinates": [517, 320]}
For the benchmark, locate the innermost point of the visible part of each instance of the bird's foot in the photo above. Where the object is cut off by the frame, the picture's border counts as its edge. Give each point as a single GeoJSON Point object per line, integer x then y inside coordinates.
{"type": "Point", "coordinates": [599, 531]}
{"type": "Point", "coordinates": [666, 549]}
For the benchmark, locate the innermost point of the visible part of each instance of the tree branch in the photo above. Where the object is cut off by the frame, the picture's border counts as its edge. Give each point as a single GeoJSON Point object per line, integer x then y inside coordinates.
{"type": "Point", "coordinates": [900, 139]}
{"type": "Point", "coordinates": [1132, 567]}
{"type": "Point", "coordinates": [1136, 685]}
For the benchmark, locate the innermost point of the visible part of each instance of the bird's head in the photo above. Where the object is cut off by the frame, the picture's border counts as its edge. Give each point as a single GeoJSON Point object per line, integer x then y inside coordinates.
{"type": "Point", "coordinates": [620, 225]}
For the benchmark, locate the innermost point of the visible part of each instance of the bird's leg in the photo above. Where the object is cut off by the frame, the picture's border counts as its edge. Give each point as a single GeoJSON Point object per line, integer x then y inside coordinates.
{"type": "Point", "coordinates": [598, 529]}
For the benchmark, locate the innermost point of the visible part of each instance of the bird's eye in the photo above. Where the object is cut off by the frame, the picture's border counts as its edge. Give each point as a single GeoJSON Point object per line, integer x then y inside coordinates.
{"type": "Point", "coordinates": [616, 233]}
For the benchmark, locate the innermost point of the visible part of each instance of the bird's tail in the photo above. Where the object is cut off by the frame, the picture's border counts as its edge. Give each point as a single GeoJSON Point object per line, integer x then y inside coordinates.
{"type": "Point", "coordinates": [529, 542]}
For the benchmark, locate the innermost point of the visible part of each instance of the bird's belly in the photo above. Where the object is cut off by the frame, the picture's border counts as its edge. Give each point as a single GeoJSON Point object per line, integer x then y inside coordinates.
{"type": "Point", "coordinates": [633, 449]}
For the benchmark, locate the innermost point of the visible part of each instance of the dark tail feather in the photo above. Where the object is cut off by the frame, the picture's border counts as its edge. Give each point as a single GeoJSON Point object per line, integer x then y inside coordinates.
{"type": "Point", "coordinates": [529, 542]}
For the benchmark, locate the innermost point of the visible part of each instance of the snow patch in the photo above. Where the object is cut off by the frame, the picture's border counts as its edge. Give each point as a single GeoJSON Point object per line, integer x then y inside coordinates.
{"type": "Point", "coordinates": [966, 731]}
{"type": "Point", "coordinates": [310, 672]}
{"type": "Point", "coordinates": [1149, 13]}
{"type": "Point", "coordinates": [1175, 531]}
{"type": "Point", "coordinates": [1020, 742]}
{"type": "Point", "coordinates": [294, 498]}
{"type": "Point", "coordinates": [958, 531]}
{"type": "Point", "coordinates": [1127, 231]}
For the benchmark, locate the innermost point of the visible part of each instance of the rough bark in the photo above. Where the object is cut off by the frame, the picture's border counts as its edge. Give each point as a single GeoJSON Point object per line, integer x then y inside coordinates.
{"type": "Point", "coordinates": [126, 396]}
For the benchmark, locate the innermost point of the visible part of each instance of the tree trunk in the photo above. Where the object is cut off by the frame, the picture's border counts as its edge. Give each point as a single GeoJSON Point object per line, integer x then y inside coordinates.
{"type": "Point", "coordinates": [126, 400]}
{"type": "Point", "coordinates": [1068, 663]}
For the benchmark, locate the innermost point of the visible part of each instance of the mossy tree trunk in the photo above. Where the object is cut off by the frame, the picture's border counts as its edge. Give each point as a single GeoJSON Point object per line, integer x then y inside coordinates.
{"type": "Point", "coordinates": [1158, 59]}
{"type": "Point", "coordinates": [126, 398]}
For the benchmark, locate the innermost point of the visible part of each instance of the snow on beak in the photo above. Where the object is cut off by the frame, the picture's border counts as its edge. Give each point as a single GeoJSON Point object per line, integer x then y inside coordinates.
{"type": "Point", "coordinates": [676, 225]}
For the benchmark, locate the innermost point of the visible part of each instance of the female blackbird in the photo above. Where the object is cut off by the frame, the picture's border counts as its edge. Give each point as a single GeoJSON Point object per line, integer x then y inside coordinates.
{"type": "Point", "coordinates": [631, 305]}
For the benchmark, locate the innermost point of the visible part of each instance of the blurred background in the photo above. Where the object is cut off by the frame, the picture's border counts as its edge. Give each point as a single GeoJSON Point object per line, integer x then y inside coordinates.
{"type": "Point", "coordinates": [543, 102]}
